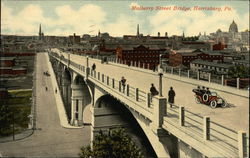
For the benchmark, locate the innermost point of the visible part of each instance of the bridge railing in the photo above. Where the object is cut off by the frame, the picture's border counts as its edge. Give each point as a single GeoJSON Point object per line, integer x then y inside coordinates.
{"type": "Point", "coordinates": [129, 91]}
{"type": "Point", "coordinates": [210, 77]}
{"type": "Point", "coordinates": [208, 130]}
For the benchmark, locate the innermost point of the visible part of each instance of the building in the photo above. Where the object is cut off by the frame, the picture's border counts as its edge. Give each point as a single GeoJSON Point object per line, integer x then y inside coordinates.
{"type": "Point", "coordinates": [141, 55]}
{"type": "Point", "coordinates": [74, 39]}
{"type": "Point", "coordinates": [8, 67]}
{"type": "Point", "coordinates": [7, 61]}
{"type": "Point", "coordinates": [208, 66]}
{"type": "Point", "coordinates": [219, 46]}
{"type": "Point", "coordinates": [235, 40]}
{"type": "Point", "coordinates": [186, 56]}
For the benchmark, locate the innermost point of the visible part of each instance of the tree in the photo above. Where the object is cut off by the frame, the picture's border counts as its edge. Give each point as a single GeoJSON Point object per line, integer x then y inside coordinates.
{"type": "Point", "coordinates": [239, 71]}
{"type": "Point", "coordinates": [5, 118]}
{"type": "Point", "coordinates": [115, 144]}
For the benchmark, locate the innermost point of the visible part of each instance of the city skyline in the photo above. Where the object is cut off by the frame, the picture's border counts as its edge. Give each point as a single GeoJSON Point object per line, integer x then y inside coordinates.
{"type": "Point", "coordinates": [64, 17]}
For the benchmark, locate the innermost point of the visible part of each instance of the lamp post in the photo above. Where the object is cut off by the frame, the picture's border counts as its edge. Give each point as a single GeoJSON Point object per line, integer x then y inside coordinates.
{"type": "Point", "coordinates": [160, 82]}
{"type": "Point", "coordinates": [160, 59]}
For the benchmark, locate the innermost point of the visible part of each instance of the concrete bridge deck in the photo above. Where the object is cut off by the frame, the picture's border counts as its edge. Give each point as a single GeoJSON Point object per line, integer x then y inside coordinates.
{"type": "Point", "coordinates": [221, 117]}
{"type": "Point", "coordinates": [235, 116]}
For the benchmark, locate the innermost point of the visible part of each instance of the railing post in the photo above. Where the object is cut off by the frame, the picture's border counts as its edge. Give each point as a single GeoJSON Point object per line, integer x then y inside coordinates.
{"type": "Point", "coordinates": [148, 99]}
{"type": "Point", "coordinates": [87, 61]}
{"type": "Point", "coordinates": [102, 77]}
{"type": "Point", "coordinates": [238, 83]}
{"type": "Point", "coordinates": [159, 112]}
{"type": "Point", "coordinates": [98, 75]}
{"type": "Point", "coordinates": [94, 74]}
{"type": "Point", "coordinates": [206, 128]}
{"type": "Point", "coordinates": [148, 66]}
{"type": "Point", "coordinates": [179, 72]}
{"type": "Point", "coordinates": [87, 72]}
{"type": "Point", "coordinates": [222, 80]}
{"type": "Point", "coordinates": [113, 83]}
{"type": "Point", "coordinates": [127, 89]}
{"type": "Point", "coordinates": [182, 116]}
{"type": "Point", "coordinates": [209, 77]}
{"type": "Point", "coordinates": [188, 75]}
{"type": "Point", "coordinates": [143, 65]}
{"type": "Point", "coordinates": [137, 94]}
{"type": "Point", "coordinates": [172, 70]}
{"type": "Point", "coordinates": [120, 86]}
{"type": "Point", "coordinates": [198, 75]}
{"type": "Point", "coordinates": [107, 80]}
{"type": "Point", "coordinates": [242, 144]}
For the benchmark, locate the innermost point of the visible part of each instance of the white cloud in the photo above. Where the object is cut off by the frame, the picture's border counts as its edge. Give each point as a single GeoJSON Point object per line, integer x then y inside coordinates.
{"type": "Point", "coordinates": [193, 22]}
{"type": "Point", "coordinates": [124, 25]}
{"type": "Point", "coordinates": [133, 4]}
{"type": "Point", "coordinates": [70, 20]}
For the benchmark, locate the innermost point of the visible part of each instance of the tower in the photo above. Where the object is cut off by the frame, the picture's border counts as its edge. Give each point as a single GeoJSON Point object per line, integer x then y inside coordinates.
{"type": "Point", "coordinates": [99, 33]}
{"type": "Point", "coordinates": [138, 32]}
{"type": "Point", "coordinates": [233, 28]}
{"type": "Point", "coordinates": [40, 34]}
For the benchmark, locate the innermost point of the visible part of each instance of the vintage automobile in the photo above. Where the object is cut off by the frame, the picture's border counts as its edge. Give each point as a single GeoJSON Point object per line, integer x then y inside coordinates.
{"type": "Point", "coordinates": [209, 98]}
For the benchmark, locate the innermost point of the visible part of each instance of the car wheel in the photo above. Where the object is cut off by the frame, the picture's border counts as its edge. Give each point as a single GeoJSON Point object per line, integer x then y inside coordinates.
{"type": "Point", "coordinates": [224, 104]}
{"type": "Point", "coordinates": [205, 97]}
{"type": "Point", "coordinates": [197, 100]}
{"type": "Point", "coordinates": [213, 104]}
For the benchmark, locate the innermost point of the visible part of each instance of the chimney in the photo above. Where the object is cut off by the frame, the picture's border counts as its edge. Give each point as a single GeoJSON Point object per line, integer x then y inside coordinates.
{"type": "Point", "coordinates": [166, 34]}
{"type": "Point", "coordinates": [159, 34]}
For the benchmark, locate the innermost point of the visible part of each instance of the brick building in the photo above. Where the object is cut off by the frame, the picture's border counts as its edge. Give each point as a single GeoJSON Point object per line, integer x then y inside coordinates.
{"type": "Point", "coordinates": [219, 46]}
{"type": "Point", "coordinates": [74, 39]}
{"type": "Point", "coordinates": [8, 67]}
{"type": "Point", "coordinates": [185, 56]}
{"type": "Point", "coordinates": [141, 55]}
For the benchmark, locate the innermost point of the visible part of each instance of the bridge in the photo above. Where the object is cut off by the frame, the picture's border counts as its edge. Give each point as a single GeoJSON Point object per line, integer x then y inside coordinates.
{"type": "Point", "coordinates": [192, 129]}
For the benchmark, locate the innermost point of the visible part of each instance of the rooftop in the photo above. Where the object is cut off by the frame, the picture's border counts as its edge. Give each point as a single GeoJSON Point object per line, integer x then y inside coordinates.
{"type": "Point", "coordinates": [214, 64]}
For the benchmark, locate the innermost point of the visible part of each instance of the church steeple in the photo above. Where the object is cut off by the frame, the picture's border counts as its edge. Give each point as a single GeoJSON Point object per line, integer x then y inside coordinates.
{"type": "Point", "coordinates": [40, 32]}
{"type": "Point", "coordinates": [99, 33]}
{"type": "Point", "coordinates": [138, 32]}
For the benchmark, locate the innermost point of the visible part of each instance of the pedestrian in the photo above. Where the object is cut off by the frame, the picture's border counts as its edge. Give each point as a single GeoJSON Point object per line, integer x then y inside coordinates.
{"type": "Point", "coordinates": [197, 91]}
{"type": "Point", "coordinates": [93, 67]}
{"type": "Point", "coordinates": [203, 90]}
{"type": "Point", "coordinates": [153, 91]}
{"type": "Point", "coordinates": [123, 81]}
{"type": "Point", "coordinates": [171, 95]}
{"type": "Point", "coordinates": [46, 88]}
{"type": "Point", "coordinates": [208, 91]}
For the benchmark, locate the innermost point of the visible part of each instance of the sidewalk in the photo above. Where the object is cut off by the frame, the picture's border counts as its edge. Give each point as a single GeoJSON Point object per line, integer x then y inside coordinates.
{"type": "Point", "coordinates": [26, 133]}
{"type": "Point", "coordinates": [59, 103]}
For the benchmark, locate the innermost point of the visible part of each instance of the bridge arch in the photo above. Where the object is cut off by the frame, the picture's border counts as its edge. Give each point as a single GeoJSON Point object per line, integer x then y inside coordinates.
{"type": "Point", "coordinates": [105, 117]}
{"type": "Point", "coordinates": [80, 99]}
{"type": "Point", "coordinates": [66, 90]}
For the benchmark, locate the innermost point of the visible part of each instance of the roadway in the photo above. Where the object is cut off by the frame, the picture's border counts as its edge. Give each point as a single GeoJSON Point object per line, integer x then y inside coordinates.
{"type": "Point", "coordinates": [236, 116]}
{"type": "Point", "coordinates": [49, 139]}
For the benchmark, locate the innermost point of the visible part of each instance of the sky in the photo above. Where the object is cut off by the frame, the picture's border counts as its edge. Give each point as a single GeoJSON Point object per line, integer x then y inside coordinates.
{"type": "Point", "coordinates": [65, 17]}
